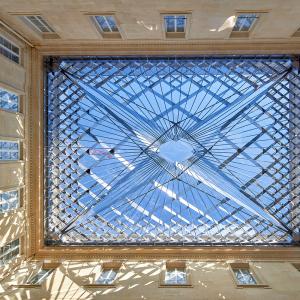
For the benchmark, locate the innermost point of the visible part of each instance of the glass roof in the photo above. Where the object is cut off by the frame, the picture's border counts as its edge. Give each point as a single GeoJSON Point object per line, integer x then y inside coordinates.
{"type": "Point", "coordinates": [171, 150]}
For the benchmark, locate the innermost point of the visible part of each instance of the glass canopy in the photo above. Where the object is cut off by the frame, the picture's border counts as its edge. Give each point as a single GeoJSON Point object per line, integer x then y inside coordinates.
{"type": "Point", "coordinates": [171, 150]}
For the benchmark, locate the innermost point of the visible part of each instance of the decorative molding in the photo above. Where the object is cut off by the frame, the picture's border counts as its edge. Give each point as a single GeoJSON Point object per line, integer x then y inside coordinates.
{"type": "Point", "coordinates": [35, 157]}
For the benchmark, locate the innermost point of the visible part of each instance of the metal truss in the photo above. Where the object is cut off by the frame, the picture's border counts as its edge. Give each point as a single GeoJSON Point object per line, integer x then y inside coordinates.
{"type": "Point", "coordinates": [199, 151]}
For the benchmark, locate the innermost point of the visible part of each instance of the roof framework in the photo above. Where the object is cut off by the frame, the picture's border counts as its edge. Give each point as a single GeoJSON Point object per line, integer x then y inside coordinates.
{"type": "Point", "coordinates": [109, 182]}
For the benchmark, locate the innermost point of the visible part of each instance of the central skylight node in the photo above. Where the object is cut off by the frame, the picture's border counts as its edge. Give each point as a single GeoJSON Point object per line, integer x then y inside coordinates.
{"type": "Point", "coordinates": [176, 151]}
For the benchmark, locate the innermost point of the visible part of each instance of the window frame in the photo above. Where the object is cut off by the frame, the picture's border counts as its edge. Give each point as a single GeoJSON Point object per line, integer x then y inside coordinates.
{"type": "Point", "coordinates": [104, 34]}
{"type": "Point", "coordinates": [36, 29]}
{"type": "Point", "coordinates": [246, 34]}
{"type": "Point", "coordinates": [9, 40]}
{"type": "Point", "coordinates": [260, 283]}
{"type": "Point", "coordinates": [176, 34]}
{"type": "Point", "coordinates": [116, 266]}
{"type": "Point", "coordinates": [175, 265]}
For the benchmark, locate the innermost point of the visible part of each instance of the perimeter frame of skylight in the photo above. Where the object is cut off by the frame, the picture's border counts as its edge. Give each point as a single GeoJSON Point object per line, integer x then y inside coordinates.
{"type": "Point", "coordinates": [233, 182]}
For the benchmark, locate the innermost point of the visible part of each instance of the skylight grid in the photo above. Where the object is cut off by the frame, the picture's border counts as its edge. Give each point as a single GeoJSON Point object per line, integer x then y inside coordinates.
{"type": "Point", "coordinates": [244, 22]}
{"type": "Point", "coordinates": [171, 151]}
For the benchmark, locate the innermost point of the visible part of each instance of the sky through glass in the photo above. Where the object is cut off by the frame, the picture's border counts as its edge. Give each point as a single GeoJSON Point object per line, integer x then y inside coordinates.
{"type": "Point", "coordinates": [171, 151]}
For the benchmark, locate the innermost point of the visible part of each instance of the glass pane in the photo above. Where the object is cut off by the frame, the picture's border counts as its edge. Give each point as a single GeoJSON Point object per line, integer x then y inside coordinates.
{"type": "Point", "coordinates": [9, 251]}
{"type": "Point", "coordinates": [40, 276]}
{"type": "Point", "coordinates": [170, 23]}
{"type": "Point", "coordinates": [244, 276]}
{"type": "Point", "coordinates": [175, 276]}
{"type": "Point", "coordinates": [244, 22]}
{"type": "Point", "coordinates": [112, 23]}
{"type": "Point", "coordinates": [103, 23]}
{"type": "Point", "coordinates": [9, 150]}
{"type": "Point", "coordinates": [8, 101]}
{"type": "Point", "coordinates": [180, 23]}
{"type": "Point", "coordinates": [8, 201]}
{"type": "Point", "coordinates": [107, 276]}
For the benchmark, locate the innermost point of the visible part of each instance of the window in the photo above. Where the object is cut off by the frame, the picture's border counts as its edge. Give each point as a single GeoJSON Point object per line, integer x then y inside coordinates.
{"type": "Point", "coordinates": [8, 201]}
{"type": "Point", "coordinates": [39, 277]}
{"type": "Point", "coordinates": [107, 23]}
{"type": "Point", "coordinates": [175, 276]}
{"type": "Point", "coordinates": [244, 276]}
{"type": "Point", "coordinates": [39, 23]}
{"type": "Point", "coordinates": [8, 101]}
{"type": "Point", "coordinates": [175, 26]}
{"type": "Point", "coordinates": [9, 50]}
{"type": "Point", "coordinates": [9, 150]}
{"type": "Point", "coordinates": [244, 22]}
{"type": "Point", "coordinates": [107, 276]}
{"type": "Point", "coordinates": [107, 26]}
{"type": "Point", "coordinates": [9, 251]}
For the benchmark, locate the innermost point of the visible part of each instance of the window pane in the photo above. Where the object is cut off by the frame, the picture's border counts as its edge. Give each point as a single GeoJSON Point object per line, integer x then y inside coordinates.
{"type": "Point", "coordinates": [170, 23]}
{"type": "Point", "coordinates": [107, 276]}
{"type": "Point", "coordinates": [107, 23]}
{"type": "Point", "coordinates": [40, 276]}
{"type": "Point", "coordinates": [9, 201]}
{"type": "Point", "coordinates": [244, 276]}
{"type": "Point", "coordinates": [175, 276]}
{"type": "Point", "coordinates": [9, 251]}
{"type": "Point", "coordinates": [9, 150]}
{"type": "Point", "coordinates": [244, 22]}
{"type": "Point", "coordinates": [8, 101]}
{"type": "Point", "coordinates": [180, 26]}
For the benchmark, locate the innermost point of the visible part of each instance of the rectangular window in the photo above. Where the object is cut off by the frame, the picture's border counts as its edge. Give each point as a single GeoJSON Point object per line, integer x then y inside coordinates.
{"type": "Point", "coordinates": [40, 276]}
{"type": "Point", "coordinates": [176, 276]}
{"type": "Point", "coordinates": [107, 276]}
{"type": "Point", "coordinates": [175, 23]}
{"type": "Point", "coordinates": [9, 101]}
{"type": "Point", "coordinates": [9, 251]}
{"type": "Point", "coordinates": [9, 50]}
{"type": "Point", "coordinates": [107, 23]}
{"type": "Point", "coordinates": [9, 150]}
{"type": "Point", "coordinates": [9, 201]}
{"type": "Point", "coordinates": [39, 23]}
{"type": "Point", "coordinates": [244, 276]}
{"type": "Point", "coordinates": [244, 22]}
